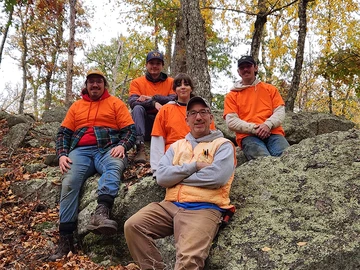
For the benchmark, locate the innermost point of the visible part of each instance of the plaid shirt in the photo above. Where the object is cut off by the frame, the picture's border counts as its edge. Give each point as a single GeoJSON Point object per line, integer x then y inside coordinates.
{"type": "Point", "coordinates": [106, 138]}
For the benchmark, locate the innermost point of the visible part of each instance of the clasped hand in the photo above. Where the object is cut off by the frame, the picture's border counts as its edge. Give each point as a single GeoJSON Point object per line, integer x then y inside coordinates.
{"type": "Point", "coordinates": [262, 131]}
{"type": "Point", "coordinates": [142, 98]}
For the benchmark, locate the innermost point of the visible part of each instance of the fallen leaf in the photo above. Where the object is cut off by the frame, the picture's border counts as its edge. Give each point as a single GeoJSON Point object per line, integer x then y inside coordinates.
{"type": "Point", "coordinates": [56, 182]}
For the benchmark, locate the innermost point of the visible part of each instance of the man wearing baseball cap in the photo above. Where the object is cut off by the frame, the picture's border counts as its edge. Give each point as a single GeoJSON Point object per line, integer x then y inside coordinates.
{"type": "Point", "coordinates": [255, 111]}
{"type": "Point", "coordinates": [94, 137]}
{"type": "Point", "coordinates": [147, 94]}
{"type": "Point", "coordinates": [197, 172]}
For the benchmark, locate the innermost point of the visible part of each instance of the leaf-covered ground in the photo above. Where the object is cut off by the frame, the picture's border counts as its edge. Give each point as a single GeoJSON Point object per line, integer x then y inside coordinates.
{"type": "Point", "coordinates": [25, 240]}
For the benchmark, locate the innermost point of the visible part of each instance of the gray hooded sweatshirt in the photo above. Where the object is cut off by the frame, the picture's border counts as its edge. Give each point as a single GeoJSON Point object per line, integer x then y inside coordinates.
{"type": "Point", "coordinates": [213, 176]}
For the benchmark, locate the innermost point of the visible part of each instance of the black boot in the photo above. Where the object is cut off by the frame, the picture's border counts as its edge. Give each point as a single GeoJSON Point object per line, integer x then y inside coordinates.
{"type": "Point", "coordinates": [100, 223]}
{"type": "Point", "coordinates": [65, 245]}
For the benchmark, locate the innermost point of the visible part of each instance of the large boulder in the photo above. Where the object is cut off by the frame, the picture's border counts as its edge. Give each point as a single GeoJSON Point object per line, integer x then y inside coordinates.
{"type": "Point", "coordinates": [221, 124]}
{"type": "Point", "coordinates": [297, 126]}
{"type": "Point", "coordinates": [56, 114]}
{"type": "Point", "coordinates": [46, 190]}
{"type": "Point", "coordinates": [297, 211]}
{"type": "Point", "coordinates": [16, 135]}
{"type": "Point", "coordinates": [43, 134]}
{"type": "Point", "coordinates": [14, 120]}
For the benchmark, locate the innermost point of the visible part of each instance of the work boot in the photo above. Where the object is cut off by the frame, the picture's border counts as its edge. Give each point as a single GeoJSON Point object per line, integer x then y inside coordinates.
{"type": "Point", "coordinates": [100, 223]}
{"type": "Point", "coordinates": [65, 245]}
{"type": "Point", "coordinates": [140, 154]}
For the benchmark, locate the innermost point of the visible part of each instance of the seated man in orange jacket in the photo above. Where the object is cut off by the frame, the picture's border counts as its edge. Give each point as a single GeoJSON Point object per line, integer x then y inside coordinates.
{"type": "Point", "coordinates": [197, 173]}
{"type": "Point", "coordinates": [255, 111]}
{"type": "Point", "coordinates": [93, 138]}
{"type": "Point", "coordinates": [147, 94]}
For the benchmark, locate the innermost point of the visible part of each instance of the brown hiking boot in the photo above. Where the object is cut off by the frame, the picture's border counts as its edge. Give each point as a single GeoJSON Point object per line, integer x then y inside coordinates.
{"type": "Point", "coordinates": [140, 155]}
{"type": "Point", "coordinates": [100, 223]}
{"type": "Point", "coordinates": [65, 245]}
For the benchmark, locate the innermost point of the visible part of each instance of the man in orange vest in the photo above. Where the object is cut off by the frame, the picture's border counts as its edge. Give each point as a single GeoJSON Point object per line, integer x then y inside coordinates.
{"type": "Point", "coordinates": [147, 94]}
{"type": "Point", "coordinates": [197, 172]}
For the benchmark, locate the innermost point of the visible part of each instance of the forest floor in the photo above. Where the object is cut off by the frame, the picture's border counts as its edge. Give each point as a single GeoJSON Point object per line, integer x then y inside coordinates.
{"type": "Point", "coordinates": [23, 245]}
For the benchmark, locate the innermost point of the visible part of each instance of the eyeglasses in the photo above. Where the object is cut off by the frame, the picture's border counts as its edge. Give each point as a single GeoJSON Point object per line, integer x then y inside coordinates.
{"type": "Point", "coordinates": [193, 114]}
{"type": "Point", "coordinates": [99, 81]}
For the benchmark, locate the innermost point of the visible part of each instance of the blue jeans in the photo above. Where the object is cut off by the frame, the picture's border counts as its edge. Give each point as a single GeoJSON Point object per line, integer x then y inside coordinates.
{"type": "Point", "coordinates": [143, 123]}
{"type": "Point", "coordinates": [86, 161]}
{"type": "Point", "coordinates": [254, 147]}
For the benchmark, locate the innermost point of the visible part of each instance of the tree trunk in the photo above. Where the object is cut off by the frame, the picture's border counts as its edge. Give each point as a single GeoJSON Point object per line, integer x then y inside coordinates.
{"type": "Point", "coordinates": [23, 28]}
{"type": "Point", "coordinates": [178, 65]}
{"type": "Point", "coordinates": [344, 105]}
{"type": "Point", "coordinates": [168, 45]}
{"type": "Point", "coordinates": [6, 31]}
{"type": "Point", "coordinates": [71, 52]}
{"type": "Point", "coordinates": [330, 97]}
{"type": "Point", "coordinates": [24, 86]}
{"type": "Point", "coordinates": [54, 51]}
{"type": "Point", "coordinates": [196, 57]}
{"type": "Point", "coordinates": [35, 85]}
{"type": "Point", "coordinates": [119, 51]}
{"type": "Point", "coordinates": [290, 100]}
{"type": "Point", "coordinates": [260, 21]}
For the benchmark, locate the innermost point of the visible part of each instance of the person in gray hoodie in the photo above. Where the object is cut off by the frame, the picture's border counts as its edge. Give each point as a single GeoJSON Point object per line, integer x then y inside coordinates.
{"type": "Point", "coordinates": [197, 172]}
{"type": "Point", "coordinates": [255, 111]}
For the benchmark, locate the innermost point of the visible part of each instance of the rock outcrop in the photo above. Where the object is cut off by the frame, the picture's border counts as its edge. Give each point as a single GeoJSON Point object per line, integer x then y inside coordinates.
{"type": "Point", "coordinates": [297, 211]}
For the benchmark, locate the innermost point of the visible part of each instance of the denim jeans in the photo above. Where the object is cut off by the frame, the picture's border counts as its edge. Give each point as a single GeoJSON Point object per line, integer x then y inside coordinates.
{"type": "Point", "coordinates": [143, 123]}
{"type": "Point", "coordinates": [254, 147]}
{"type": "Point", "coordinates": [86, 161]}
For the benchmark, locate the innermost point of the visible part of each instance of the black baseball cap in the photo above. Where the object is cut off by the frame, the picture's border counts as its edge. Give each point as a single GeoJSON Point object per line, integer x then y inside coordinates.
{"type": "Point", "coordinates": [246, 59]}
{"type": "Point", "coordinates": [154, 55]}
{"type": "Point", "coordinates": [197, 100]}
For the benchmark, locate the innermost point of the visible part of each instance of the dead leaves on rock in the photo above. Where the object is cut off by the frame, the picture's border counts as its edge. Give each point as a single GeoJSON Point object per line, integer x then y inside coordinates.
{"type": "Point", "coordinates": [299, 244]}
{"type": "Point", "coordinates": [29, 230]}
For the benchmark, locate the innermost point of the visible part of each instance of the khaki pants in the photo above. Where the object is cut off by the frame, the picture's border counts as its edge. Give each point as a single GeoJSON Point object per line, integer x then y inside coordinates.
{"type": "Point", "coordinates": [194, 231]}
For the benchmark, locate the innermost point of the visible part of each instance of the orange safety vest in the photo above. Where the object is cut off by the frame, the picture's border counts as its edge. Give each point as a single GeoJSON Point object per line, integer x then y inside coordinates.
{"type": "Point", "coordinates": [183, 193]}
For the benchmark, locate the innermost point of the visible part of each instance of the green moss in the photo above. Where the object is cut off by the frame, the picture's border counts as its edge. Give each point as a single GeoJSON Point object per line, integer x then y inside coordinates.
{"type": "Point", "coordinates": [45, 226]}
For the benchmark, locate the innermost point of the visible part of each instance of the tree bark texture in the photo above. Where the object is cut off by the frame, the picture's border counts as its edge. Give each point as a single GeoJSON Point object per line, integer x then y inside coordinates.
{"type": "Point", "coordinates": [294, 88]}
{"type": "Point", "coordinates": [168, 48]}
{"type": "Point", "coordinates": [6, 31]}
{"type": "Point", "coordinates": [260, 22]}
{"type": "Point", "coordinates": [178, 65]}
{"type": "Point", "coordinates": [71, 52]}
{"type": "Point", "coordinates": [54, 52]}
{"type": "Point", "coordinates": [24, 28]}
{"type": "Point", "coordinates": [330, 101]}
{"type": "Point", "coordinates": [119, 52]}
{"type": "Point", "coordinates": [196, 57]}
